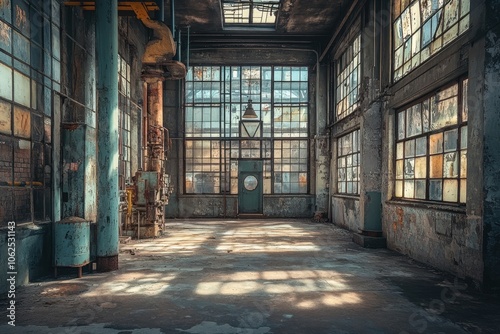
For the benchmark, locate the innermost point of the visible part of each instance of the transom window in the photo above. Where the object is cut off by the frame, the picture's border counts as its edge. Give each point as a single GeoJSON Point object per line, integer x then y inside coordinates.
{"type": "Point", "coordinates": [348, 161]}
{"type": "Point", "coordinates": [431, 148]}
{"type": "Point", "coordinates": [250, 12]}
{"type": "Point", "coordinates": [423, 27]}
{"type": "Point", "coordinates": [216, 98]}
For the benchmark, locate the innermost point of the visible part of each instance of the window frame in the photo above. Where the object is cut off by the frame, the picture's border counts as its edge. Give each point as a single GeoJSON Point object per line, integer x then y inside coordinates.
{"type": "Point", "coordinates": [273, 89]}
{"type": "Point", "coordinates": [355, 154]}
{"type": "Point", "coordinates": [402, 158]}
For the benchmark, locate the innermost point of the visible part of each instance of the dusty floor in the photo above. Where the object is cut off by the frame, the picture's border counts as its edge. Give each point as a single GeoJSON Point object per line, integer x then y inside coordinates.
{"type": "Point", "coordinates": [255, 277]}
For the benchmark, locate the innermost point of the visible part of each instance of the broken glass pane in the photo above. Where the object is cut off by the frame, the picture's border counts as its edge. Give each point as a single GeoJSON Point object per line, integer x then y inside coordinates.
{"type": "Point", "coordinates": [38, 204]}
{"type": "Point", "coordinates": [436, 166]}
{"type": "Point", "coordinates": [435, 190]}
{"type": "Point", "coordinates": [450, 167]}
{"type": "Point", "coordinates": [409, 168]}
{"type": "Point", "coordinates": [22, 159]}
{"type": "Point", "coordinates": [38, 165]}
{"type": "Point", "coordinates": [22, 200]}
{"type": "Point", "coordinates": [5, 160]}
{"type": "Point", "coordinates": [37, 127]}
{"type": "Point", "coordinates": [450, 190]}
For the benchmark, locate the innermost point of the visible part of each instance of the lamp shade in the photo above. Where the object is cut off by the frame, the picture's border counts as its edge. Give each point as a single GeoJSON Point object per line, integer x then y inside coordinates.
{"type": "Point", "coordinates": [249, 111]}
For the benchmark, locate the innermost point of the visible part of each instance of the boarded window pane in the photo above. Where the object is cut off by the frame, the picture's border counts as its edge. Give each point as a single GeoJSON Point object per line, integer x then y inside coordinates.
{"type": "Point", "coordinates": [22, 122]}
{"type": "Point", "coordinates": [5, 117]}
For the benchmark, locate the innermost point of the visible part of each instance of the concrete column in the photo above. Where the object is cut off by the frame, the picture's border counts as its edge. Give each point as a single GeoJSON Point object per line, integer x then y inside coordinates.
{"type": "Point", "coordinates": [370, 171]}
{"type": "Point", "coordinates": [491, 188]}
{"type": "Point", "coordinates": [107, 135]}
{"type": "Point", "coordinates": [322, 147]}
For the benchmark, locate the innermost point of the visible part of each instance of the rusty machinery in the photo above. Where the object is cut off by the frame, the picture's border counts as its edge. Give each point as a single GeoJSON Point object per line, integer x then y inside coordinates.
{"type": "Point", "coordinates": [143, 201]}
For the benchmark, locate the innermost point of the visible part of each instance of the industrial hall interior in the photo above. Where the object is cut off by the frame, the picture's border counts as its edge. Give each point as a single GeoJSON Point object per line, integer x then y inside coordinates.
{"type": "Point", "coordinates": [249, 166]}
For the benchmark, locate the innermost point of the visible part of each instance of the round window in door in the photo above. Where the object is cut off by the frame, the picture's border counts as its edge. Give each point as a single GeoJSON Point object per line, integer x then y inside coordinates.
{"type": "Point", "coordinates": [250, 182]}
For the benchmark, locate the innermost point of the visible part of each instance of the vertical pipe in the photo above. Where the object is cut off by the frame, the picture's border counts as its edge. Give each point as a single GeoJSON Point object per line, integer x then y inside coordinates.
{"type": "Point", "coordinates": [107, 170]}
{"type": "Point", "coordinates": [172, 14]}
{"type": "Point", "coordinates": [145, 125]}
{"type": "Point", "coordinates": [187, 47]}
{"type": "Point", "coordinates": [162, 10]}
{"type": "Point", "coordinates": [179, 46]}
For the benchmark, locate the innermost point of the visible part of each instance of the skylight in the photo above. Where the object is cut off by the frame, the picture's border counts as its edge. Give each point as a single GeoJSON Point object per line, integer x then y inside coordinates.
{"type": "Point", "coordinates": [258, 13]}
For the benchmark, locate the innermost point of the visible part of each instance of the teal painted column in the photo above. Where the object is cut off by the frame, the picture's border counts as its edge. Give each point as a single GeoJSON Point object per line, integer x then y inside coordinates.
{"type": "Point", "coordinates": [107, 135]}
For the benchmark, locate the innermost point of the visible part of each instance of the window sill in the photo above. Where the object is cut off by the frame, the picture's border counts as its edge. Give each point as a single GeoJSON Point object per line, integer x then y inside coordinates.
{"type": "Point", "coordinates": [448, 207]}
{"type": "Point", "coordinates": [346, 196]}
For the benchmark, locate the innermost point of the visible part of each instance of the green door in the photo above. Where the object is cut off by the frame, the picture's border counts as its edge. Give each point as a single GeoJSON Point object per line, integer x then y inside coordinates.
{"type": "Point", "coordinates": [250, 187]}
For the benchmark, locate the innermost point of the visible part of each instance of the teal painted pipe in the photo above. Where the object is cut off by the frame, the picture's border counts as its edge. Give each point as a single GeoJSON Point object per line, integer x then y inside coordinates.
{"type": "Point", "coordinates": [107, 135]}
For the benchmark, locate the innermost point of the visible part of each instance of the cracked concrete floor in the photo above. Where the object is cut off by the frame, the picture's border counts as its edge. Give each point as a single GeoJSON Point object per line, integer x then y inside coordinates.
{"type": "Point", "coordinates": [251, 276]}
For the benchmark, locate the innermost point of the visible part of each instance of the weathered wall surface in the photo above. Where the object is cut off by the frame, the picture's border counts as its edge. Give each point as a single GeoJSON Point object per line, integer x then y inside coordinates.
{"type": "Point", "coordinates": [346, 213]}
{"type": "Point", "coordinates": [446, 240]}
{"type": "Point", "coordinates": [216, 206]}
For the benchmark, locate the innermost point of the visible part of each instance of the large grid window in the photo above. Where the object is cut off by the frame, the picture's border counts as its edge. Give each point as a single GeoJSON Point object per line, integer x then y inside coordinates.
{"type": "Point", "coordinates": [124, 105]}
{"type": "Point", "coordinates": [348, 162]}
{"type": "Point", "coordinates": [29, 72]}
{"type": "Point", "coordinates": [248, 12]}
{"type": "Point", "coordinates": [216, 98]}
{"type": "Point", "coordinates": [423, 27]}
{"type": "Point", "coordinates": [348, 71]}
{"type": "Point", "coordinates": [431, 148]}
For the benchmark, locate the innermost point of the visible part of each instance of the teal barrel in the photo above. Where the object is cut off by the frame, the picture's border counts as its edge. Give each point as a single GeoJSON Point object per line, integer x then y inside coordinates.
{"type": "Point", "coordinates": [72, 242]}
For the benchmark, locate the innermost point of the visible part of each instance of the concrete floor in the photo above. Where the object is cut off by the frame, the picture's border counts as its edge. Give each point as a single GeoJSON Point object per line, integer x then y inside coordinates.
{"type": "Point", "coordinates": [255, 277]}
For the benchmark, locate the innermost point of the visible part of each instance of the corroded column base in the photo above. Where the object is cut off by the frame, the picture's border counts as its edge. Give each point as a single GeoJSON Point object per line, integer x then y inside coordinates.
{"type": "Point", "coordinates": [107, 263]}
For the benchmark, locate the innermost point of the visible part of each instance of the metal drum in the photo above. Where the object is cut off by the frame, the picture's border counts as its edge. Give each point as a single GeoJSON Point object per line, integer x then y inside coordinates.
{"type": "Point", "coordinates": [72, 243]}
